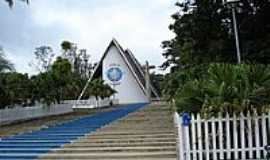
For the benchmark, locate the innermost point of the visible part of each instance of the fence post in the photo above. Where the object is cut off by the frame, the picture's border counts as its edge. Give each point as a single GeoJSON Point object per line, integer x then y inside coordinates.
{"type": "Point", "coordinates": [242, 133]}
{"type": "Point", "coordinates": [193, 132]}
{"type": "Point", "coordinates": [186, 141]}
{"type": "Point", "coordinates": [220, 128]}
{"type": "Point", "coordinates": [257, 138]}
{"type": "Point", "coordinates": [214, 142]}
{"type": "Point", "coordinates": [199, 128]}
{"type": "Point", "coordinates": [250, 144]}
{"type": "Point", "coordinates": [235, 137]}
{"type": "Point", "coordinates": [178, 123]}
{"type": "Point", "coordinates": [206, 140]}
{"type": "Point", "coordinates": [228, 136]}
{"type": "Point", "coordinates": [264, 133]}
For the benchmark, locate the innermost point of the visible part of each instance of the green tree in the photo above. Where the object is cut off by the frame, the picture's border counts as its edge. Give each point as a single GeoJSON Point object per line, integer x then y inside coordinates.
{"type": "Point", "coordinates": [44, 90]}
{"type": "Point", "coordinates": [55, 84]}
{"type": "Point", "coordinates": [203, 33]}
{"type": "Point", "coordinates": [157, 80]}
{"type": "Point", "coordinates": [78, 58]}
{"type": "Point", "coordinates": [98, 89]}
{"type": "Point", "coordinates": [4, 63]}
{"type": "Point", "coordinates": [43, 58]}
{"type": "Point", "coordinates": [61, 74]}
{"type": "Point", "coordinates": [226, 88]}
{"type": "Point", "coordinates": [66, 45]}
{"type": "Point", "coordinates": [15, 89]}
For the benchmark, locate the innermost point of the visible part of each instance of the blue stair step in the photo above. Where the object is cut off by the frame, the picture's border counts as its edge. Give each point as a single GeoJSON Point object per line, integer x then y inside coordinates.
{"type": "Point", "coordinates": [41, 138]}
{"type": "Point", "coordinates": [24, 150]}
{"type": "Point", "coordinates": [54, 145]}
{"type": "Point", "coordinates": [32, 141]}
{"type": "Point", "coordinates": [18, 156]}
{"type": "Point", "coordinates": [31, 145]}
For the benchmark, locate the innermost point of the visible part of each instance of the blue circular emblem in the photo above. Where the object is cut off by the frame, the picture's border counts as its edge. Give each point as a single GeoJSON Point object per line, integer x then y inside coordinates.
{"type": "Point", "coordinates": [114, 74]}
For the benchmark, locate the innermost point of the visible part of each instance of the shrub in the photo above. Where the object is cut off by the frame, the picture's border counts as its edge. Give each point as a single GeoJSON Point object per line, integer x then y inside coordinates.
{"type": "Point", "coordinates": [226, 88]}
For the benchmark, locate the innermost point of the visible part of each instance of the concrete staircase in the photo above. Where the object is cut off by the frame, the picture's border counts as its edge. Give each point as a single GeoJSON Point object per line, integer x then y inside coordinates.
{"type": "Point", "coordinates": [31, 145]}
{"type": "Point", "coordinates": [147, 134]}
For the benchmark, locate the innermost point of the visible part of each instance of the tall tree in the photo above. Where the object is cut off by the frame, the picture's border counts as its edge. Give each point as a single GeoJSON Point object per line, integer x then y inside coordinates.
{"type": "Point", "coordinates": [204, 34]}
{"type": "Point", "coordinates": [78, 58]}
{"type": "Point", "coordinates": [43, 58]}
{"type": "Point", "coordinates": [61, 73]}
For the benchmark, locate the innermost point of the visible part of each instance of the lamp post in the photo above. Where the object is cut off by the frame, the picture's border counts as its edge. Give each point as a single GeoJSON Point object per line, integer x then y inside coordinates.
{"type": "Point", "coordinates": [233, 4]}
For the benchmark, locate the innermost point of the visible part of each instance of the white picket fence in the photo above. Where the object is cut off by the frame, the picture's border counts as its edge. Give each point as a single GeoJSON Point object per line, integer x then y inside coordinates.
{"type": "Point", "coordinates": [224, 138]}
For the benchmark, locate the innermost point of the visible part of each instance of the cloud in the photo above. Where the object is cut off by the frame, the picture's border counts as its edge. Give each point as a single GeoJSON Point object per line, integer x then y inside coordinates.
{"type": "Point", "coordinates": [139, 25]}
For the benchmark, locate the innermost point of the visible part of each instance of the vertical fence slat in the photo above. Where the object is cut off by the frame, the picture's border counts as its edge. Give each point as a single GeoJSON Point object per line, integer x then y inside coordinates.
{"type": "Point", "coordinates": [214, 143]}
{"type": "Point", "coordinates": [250, 130]}
{"type": "Point", "coordinates": [178, 122]}
{"type": "Point", "coordinates": [193, 138]}
{"type": "Point", "coordinates": [228, 136]}
{"type": "Point", "coordinates": [220, 128]}
{"type": "Point", "coordinates": [206, 140]}
{"type": "Point", "coordinates": [199, 128]}
{"type": "Point", "coordinates": [264, 133]}
{"type": "Point", "coordinates": [235, 137]}
{"type": "Point", "coordinates": [242, 133]}
{"type": "Point", "coordinates": [187, 142]}
{"type": "Point", "coordinates": [257, 138]}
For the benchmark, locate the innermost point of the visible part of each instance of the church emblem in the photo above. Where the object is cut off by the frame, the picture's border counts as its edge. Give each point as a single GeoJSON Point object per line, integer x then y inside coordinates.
{"type": "Point", "coordinates": [114, 74]}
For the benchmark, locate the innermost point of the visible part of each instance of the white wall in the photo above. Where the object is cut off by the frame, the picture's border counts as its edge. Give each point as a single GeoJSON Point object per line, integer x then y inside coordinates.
{"type": "Point", "coordinates": [25, 113]}
{"type": "Point", "coordinates": [128, 90]}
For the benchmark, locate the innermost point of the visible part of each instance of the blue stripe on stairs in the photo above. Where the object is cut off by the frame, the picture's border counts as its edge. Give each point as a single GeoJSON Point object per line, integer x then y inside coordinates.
{"type": "Point", "coordinates": [32, 145]}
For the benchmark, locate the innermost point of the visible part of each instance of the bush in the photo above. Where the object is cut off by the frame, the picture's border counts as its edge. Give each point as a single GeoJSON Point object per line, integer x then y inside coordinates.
{"type": "Point", "coordinates": [225, 88]}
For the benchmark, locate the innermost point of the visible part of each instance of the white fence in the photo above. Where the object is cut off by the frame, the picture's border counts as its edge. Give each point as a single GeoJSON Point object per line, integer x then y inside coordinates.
{"type": "Point", "coordinates": [93, 103]}
{"type": "Point", "coordinates": [223, 138]}
{"type": "Point", "coordinates": [25, 113]}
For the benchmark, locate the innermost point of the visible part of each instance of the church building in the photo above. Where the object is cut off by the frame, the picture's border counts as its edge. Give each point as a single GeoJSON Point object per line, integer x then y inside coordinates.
{"type": "Point", "coordinates": [122, 71]}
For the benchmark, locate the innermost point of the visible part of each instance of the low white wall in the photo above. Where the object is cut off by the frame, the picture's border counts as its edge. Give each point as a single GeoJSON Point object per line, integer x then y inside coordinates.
{"type": "Point", "coordinates": [93, 103]}
{"type": "Point", "coordinates": [25, 113]}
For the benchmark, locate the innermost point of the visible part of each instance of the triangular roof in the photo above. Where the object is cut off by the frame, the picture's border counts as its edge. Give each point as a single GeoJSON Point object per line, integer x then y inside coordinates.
{"type": "Point", "coordinates": [138, 69]}
{"type": "Point", "coordinates": [132, 63]}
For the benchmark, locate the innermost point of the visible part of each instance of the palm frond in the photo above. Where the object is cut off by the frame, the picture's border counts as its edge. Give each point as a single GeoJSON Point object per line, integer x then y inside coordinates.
{"type": "Point", "coordinates": [12, 2]}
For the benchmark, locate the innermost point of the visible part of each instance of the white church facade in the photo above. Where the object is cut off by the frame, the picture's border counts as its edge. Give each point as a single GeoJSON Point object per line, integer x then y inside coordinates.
{"type": "Point", "coordinates": [122, 71]}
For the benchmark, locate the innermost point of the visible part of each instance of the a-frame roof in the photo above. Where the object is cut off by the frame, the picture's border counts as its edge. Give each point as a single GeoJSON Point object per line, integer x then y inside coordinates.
{"type": "Point", "coordinates": [139, 70]}
{"type": "Point", "coordinates": [132, 63]}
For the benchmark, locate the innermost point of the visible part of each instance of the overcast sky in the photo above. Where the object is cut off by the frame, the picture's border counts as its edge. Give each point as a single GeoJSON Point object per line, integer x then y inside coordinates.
{"type": "Point", "coordinates": [140, 25]}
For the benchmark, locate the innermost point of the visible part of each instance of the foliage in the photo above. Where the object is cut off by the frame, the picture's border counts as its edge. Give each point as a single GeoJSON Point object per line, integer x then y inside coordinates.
{"type": "Point", "coordinates": [66, 45]}
{"type": "Point", "coordinates": [43, 58]}
{"type": "Point", "coordinates": [201, 56]}
{"type": "Point", "coordinates": [12, 2]}
{"type": "Point", "coordinates": [4, 63]}
{"type": "Point", "coordinates": [78, 58]}
{"type": "Point", "coordinates": [97, 88]}
{"type": "Point", "coordinates": [55, 84]}
{"type": "Point", "coordinates": [43, 88]}
{"type": "Point", "coordinates": [175, 80]}
{"type": "Point", "coordinates": [226, 88]}
{"type": "Point", "coordinates": [61, 75]}
{"type": "Point", "coordinates": [156, 81]}
{"type": "Point", "coordinates": [203, 33]}
{"type": "Point", "coordinates": [15, 89]}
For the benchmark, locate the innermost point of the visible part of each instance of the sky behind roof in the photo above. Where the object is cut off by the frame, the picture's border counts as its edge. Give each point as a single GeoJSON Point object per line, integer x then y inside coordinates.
{"type": "Point", "coordinates": [140, 25]}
